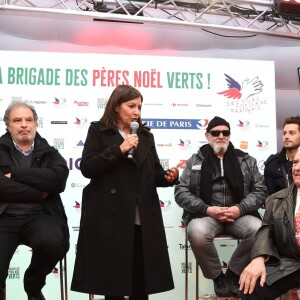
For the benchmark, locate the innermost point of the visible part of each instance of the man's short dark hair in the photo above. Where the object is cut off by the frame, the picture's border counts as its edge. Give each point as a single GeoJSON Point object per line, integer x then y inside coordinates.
{"type": "Point", "coordinates": [292, 120]}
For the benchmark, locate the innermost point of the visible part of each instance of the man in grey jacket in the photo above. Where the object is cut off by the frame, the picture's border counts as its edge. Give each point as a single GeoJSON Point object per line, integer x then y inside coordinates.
{"type": "Point", "coordinates": [275, 265]}
{"type": "Point", "coordinates": [220, 191]}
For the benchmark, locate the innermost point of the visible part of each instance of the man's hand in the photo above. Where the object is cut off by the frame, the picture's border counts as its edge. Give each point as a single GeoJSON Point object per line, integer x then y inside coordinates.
{"type": "Point", "coordinates": [251, 273]}
{"type": "Point", "coordinates": [235, 211]}
{"type": "Point", "coordinates": [221, 214]}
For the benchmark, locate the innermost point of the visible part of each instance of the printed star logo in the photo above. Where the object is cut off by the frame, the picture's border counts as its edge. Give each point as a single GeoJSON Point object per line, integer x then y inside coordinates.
{"type": "Point", "coordinates": [244, 125]}
{"type": "Point", "coordinates": [165, 205]}
{"type": "Point", "coordinates": [247, 89]}
{"type": "Point", "coordinates": [184, 144]}
{"type": "Point", "coordinates": [262, 145]}
{"type": "Point", "coordinates": [181, 143]}
{"type": "Point", "coordinates": [80, 122]}
{"type": "Point", "coordinates": [77, 205]}
{"type": "Point", "coordinates": [59, 102]}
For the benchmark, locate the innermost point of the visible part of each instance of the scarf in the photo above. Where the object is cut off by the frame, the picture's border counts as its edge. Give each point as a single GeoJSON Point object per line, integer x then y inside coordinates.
{"type": "Point", "coordinates": [232, 172]}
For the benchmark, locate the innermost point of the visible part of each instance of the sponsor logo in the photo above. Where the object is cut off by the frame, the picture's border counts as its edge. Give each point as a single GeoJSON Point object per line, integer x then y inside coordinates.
{"type": "Point", "coordinates": [262, 145]}
{"type": "Point", "coordinates": [176, 123]}
{"type": "Point", "coordinates": [40, 122]}
{"type": "Point", "coordinates": [183, 247]}
{"type": "Point", "coordinates": [59, 122]}
{"type": "Point", "coordinates": [180, 104]}
{"type": "Point", "coordinates": [59, 143]}
{"type": "Point", "coordinates": [186, 268]}
{"type": "Point", "coordinates": [59, 102]}
{"type": "Point", "coordinates": [14, 273]}
{"type": "Point", "coordinates": [184, 144]}
{"type": "Point", "coordinates": [81, 103]}
{"type": "Point", "coordinates": [168, 145]}
{"type": "Point", "coordinates": [75, 228]}
{"type": "Point", "coordinates": [78, 185]}
{"type": "Point", "coordinates": [80, 144]}
{"type": "Point", "coordinates": [165, 163]}
{"type": "Point", "coordinates": [244, 124]}
{"type": "Point", "coordinates": [34, 102]}
{"type": "Point", "coordinates": [262, 126]}
{"type": "Point", "coordinates": [165, 205]}
{"type": "Point", "coordinates": [244, 145]}
{"type": "Point", "coordinates": [153, 104]}
{"type": "Point", "coordinates": [248, 88]}
{"type": "Point", "coordinates": [77, 205]}
{"type": "Point", "coordinates": [101, 103]}
{"type": "Point", "coordinates": [81, 122]}
{"type": "Point", "coordinates": [245, 96]}
{"type": "Point", "coordinates": [203, 105]}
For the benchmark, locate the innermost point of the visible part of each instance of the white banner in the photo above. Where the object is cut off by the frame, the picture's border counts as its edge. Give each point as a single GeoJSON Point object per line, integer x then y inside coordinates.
{"type": "Point", "coordinates": [181, 95]}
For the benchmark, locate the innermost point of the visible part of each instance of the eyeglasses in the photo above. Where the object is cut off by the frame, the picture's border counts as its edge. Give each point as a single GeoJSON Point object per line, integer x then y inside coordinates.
{"type": "Point", "coordinates": [216, 133]}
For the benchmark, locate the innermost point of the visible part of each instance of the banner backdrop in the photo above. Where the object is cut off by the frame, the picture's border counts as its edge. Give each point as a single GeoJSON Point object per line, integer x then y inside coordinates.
{"type": "Point", "coordinates": [181, 95]}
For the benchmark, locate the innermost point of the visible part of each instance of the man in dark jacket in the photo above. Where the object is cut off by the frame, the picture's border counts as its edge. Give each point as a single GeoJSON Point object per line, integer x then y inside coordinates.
{"type": "Point", "coordinates": [278, 166]}
{"type": "Point", "coordinates": [32, 175]}
{"type": "Point", "coordinates": [275, 265]}
{"type": "Point", "coordinates": [221, 190]}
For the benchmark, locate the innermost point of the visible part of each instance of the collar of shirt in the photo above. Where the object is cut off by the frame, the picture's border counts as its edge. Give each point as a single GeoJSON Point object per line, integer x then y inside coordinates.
{"type": "Point", "coordinates": [26, 153]}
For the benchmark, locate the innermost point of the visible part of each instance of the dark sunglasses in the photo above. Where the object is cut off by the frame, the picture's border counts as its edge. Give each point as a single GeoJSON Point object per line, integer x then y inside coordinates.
{"type": "Point", "coordinates": [216, 133]}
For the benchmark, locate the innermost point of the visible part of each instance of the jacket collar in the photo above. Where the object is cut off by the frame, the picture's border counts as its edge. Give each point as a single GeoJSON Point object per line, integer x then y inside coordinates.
{"type": "Point", "coordinates": [288, 198]}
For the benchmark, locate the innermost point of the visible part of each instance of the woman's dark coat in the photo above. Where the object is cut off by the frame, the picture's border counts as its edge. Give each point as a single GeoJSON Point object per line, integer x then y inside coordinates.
{"type": "Point", "coordinates": [104, 257]}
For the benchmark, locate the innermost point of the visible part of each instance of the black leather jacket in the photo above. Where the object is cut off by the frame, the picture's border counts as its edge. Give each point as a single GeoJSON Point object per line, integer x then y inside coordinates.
{"type": "Point", "coordinates": [276, 237]}
{"type": "Point", "coordinates": [188, 190]}
{"type": "Point", "coordinates": [278, 172]}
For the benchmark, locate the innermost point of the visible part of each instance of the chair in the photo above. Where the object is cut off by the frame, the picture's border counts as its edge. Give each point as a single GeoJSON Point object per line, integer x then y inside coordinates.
{"type": "Point", "coordinates": [62, 279]}
{"type": "Point", "coordinates": [218, 238]}
{"type": "Point", "coordinates": [92, 297]}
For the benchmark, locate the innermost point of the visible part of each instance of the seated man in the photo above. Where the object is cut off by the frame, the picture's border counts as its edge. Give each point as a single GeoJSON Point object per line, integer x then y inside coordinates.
{"type": "Point", "coordinates": [275, 267]}
{"type": "Point", "coordinates": [32, 175]}
{"type": "Point", "coordinates": [221, 191]}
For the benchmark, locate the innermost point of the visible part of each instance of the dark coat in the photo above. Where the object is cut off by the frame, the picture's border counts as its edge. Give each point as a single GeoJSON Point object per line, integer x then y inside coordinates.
{"type": "Point", "coordinates": [48, 172]}
{"type": "Point", "coordinates": [276, 236]}
{"type": "Point", "coordinates": [278, 172]}
{"type": "Point", "coordinates": [104, 257]}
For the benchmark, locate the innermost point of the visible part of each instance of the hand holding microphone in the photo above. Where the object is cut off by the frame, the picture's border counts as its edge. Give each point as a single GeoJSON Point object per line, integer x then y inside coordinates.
{"type": "Point", "coordinates": [134, 126]}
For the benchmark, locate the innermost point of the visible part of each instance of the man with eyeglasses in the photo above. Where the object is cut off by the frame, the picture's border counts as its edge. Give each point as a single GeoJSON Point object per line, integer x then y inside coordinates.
{"type": "Point", "coordinates": [220, 191]}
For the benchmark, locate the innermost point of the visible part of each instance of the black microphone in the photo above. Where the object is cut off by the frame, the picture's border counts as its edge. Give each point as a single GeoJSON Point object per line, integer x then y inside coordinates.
{"type": "Point", "coordinates": [134, 126]}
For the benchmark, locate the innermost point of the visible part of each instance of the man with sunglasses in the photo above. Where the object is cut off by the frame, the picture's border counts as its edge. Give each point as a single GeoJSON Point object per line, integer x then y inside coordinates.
{"type": "Point", "coordinates": [220, 191]}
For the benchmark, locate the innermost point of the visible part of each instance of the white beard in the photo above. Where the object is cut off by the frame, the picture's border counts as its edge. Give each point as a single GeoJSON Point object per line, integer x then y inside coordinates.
{"type": "Point", "coordinates": [219, 148]}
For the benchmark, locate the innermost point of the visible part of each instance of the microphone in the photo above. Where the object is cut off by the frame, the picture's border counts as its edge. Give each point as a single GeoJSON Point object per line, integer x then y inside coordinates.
{"type": "Point", "coordinates": [134, 126]}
